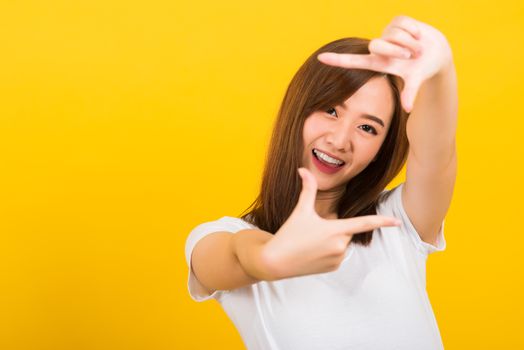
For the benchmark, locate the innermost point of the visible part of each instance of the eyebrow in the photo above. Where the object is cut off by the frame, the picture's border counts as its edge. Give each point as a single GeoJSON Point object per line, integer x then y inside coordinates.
{"type": "Point", "coordinates": [367, 116]}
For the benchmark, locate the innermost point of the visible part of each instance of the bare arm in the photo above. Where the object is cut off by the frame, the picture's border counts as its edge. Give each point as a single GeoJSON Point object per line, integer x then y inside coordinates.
{"type": "Point", "coordinates": [422, 57]}
{"type": "Point", "coordinates": [432, 159]}
{"type": "Point", "coordinates": [305, 244]}
{"type": "Point", "coordinates": [225, 260]}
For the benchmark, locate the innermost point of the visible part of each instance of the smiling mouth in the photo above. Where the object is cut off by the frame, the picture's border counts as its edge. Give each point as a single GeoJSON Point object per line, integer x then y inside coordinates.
{"type": "Point", "coordinates": [327, 163]}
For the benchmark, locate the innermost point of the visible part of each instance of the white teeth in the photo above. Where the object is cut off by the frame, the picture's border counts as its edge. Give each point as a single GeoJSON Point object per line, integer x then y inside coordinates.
{"type": "Point", "coordinates": [327, 158]}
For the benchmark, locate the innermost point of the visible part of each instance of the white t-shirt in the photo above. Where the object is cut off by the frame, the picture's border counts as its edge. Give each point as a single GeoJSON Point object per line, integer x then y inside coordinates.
{"type": "Point", "coordinates": [376, 299]}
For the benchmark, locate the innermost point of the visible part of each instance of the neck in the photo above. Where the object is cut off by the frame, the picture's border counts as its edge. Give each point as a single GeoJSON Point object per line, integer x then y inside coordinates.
{"type": "Point", "coordinates": [326, 202]}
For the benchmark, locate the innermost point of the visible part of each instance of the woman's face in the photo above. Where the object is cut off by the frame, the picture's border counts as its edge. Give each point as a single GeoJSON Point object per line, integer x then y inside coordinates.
{"type": "Point", "coordinates": [352, 133]}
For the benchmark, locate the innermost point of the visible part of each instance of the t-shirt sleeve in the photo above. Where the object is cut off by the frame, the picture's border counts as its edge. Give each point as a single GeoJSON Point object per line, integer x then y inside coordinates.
{"type": "Point", "coordinates": [392, 205]}
{"type": "Point", "coordinates": [228, 224]}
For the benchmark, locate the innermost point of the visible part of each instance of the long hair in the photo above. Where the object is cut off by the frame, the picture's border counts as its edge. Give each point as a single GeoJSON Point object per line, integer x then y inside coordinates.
{"type": "Point", "coordinates": [317, 86]}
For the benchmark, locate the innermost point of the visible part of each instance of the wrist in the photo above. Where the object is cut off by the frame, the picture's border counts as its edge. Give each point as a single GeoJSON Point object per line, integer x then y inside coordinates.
{"type": "Point", "coordinates": [447, 69]}
{"type": "Point", "coordinates": [248, 247]}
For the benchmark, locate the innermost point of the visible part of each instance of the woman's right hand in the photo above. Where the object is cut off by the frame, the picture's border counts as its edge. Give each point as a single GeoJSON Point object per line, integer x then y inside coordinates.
{"type": "Point", "coordinates": [307, 243]}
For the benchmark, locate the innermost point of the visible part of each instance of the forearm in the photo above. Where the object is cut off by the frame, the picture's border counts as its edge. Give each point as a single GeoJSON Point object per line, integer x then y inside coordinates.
{"type": "Point", "coordinates": [432, 125]}
{"type": "Point", "coordinates": [248, 248]}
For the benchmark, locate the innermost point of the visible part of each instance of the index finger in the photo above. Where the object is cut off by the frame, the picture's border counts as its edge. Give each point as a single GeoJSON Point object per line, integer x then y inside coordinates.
{"type": "Point", "coordinates": [357, 61]}
{"type": "Point", "coordinates": [364, 223]}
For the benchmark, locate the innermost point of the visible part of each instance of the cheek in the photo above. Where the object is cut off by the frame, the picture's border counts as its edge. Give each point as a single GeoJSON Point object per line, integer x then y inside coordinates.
{"type": "Point", "coordinates": [378, 145]}
{"type": "Point", "coordinates": [313, 128]}
{"type": "Point", "coordinates": [376, 148]}
{"type": "Point", "coordinates": [368, 149]}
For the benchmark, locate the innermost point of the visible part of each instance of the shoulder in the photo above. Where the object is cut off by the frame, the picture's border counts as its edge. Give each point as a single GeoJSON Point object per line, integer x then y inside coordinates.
{"type": "Point", "coordinates": [225, 223]}
{"type": "Point", "coordinates": [390, 204]}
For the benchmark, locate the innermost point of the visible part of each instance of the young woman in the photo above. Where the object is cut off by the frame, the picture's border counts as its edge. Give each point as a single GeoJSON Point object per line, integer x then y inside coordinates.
{"type": "Point", "coordinates": [326, 258]}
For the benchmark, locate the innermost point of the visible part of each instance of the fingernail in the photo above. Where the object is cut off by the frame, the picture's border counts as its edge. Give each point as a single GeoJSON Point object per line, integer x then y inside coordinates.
{"type": "Point", "coordinates": [398, 222]}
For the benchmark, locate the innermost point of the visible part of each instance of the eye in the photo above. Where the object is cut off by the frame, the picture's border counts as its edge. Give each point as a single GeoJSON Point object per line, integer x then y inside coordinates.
{"type": "Point", "coordinates": [369, 129]}
{"type": "Point", "coordinates": [332, 110]}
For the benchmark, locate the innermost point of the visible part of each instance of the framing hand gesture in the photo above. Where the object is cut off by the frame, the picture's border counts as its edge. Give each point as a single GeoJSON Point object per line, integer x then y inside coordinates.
{"type": "Point", "coordinates": [307, 243]}
{"type": "Point", "coordinates": [408, 48]}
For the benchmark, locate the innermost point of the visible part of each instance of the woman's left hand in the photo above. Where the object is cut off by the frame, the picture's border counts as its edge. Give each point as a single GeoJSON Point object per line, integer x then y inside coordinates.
{"type": "Point", "coordinates": [408, 48]}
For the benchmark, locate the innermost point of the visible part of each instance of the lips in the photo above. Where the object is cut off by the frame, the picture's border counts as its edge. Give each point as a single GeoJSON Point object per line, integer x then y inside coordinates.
{"type": "Point", "coordinates": [324, 167]}
{"type": "Point", "coordinates": [329, 154]}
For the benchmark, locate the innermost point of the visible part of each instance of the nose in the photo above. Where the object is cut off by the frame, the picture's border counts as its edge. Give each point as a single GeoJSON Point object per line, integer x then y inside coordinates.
{"type": "Point", "coordinates": [340, 138]}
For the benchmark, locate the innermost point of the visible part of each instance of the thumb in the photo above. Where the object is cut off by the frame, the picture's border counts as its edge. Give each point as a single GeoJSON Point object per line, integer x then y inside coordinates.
{"type": "Point", "coordinates": [309, 190]}
{"type": "Point", "coordinates": [409, 93]}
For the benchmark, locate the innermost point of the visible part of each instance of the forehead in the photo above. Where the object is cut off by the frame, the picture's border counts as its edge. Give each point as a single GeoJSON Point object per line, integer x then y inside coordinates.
{"type": "Point", "coordinates": [373, 98]}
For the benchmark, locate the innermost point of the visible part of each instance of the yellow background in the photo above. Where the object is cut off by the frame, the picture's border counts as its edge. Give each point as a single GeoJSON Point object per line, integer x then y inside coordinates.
{"type": "Point", "coordinates": [124, 124]}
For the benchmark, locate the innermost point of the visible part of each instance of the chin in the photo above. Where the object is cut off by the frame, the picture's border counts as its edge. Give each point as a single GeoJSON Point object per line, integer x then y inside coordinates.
{"type": "Point", "coordinates": [325, 185]}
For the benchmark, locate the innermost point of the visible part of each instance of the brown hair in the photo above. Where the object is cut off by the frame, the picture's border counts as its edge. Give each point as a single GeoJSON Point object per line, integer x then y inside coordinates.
{"type": "Point", "coordinates": [317, 86]}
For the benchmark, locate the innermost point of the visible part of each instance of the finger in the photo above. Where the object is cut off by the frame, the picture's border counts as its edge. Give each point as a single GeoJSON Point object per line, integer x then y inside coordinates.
{"type": "Point", "coordinates": [400, 37]}
{"type": "Point", "coordinates": [364, 223]}
{"type": "Point", "coordinates": [408, 24]}
{"type": "Point", "coordinates": [369, 62]}
{"type": "Point", "coordinates": [306, 200]}
{"type": "Point", "coordinates": [409, 94]}
{"type": "Point", "coordinates": [385, 48]}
